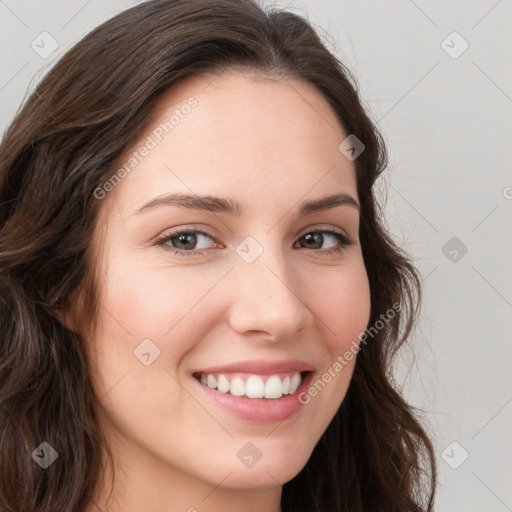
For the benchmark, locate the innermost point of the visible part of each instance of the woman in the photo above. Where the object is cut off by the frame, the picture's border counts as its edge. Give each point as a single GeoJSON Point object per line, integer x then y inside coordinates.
{"type": "Point", "coordinates": [199, 302]}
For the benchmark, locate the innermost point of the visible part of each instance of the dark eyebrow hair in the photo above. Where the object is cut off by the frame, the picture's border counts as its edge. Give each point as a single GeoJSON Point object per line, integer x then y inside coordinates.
{"type": "Point", "coordinates": [221, 205]}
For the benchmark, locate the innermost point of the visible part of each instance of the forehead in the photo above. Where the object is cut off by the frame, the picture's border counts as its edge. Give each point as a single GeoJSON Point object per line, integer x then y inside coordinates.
{"type": "Point", "coordinates": [240, 135]}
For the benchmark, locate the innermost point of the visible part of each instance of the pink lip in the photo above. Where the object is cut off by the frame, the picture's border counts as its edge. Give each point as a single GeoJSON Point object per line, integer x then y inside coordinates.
{"type": "Point", "coordinates": [258, 410]}
{"type": "Point", "coordinates": [261, 367]}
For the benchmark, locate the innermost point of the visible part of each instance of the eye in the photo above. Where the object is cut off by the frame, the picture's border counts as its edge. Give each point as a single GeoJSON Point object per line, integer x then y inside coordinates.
{"type": "Point", "coordinates": [184, 241]}
{"type": "Point", "coordinates": [191, 242]}
{"type": "Point", "coordinates": [315, 240]}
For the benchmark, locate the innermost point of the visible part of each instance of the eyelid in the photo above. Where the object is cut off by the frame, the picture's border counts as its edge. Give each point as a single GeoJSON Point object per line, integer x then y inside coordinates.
{"type": "Point", "coordinates": [323, 227]}
{"type": "Point", "coordinates": [161, 239]}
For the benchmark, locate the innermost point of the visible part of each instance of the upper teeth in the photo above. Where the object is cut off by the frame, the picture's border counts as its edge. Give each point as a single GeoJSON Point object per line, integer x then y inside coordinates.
{"type": "Point", "coordinates": [254, 386]}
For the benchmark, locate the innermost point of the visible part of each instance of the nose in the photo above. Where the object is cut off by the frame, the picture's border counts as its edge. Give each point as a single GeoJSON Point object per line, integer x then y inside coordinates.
{"type": "Point", "coordinates": [266, 299]}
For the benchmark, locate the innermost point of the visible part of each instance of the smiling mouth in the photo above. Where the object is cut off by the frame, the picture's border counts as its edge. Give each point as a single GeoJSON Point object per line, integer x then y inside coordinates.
{"type": "Point", "coordinates": [253, 385]}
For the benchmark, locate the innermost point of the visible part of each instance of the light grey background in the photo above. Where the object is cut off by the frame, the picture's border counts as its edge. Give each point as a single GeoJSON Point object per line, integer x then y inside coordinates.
{"type": "Point", "coordinates": [447, 122]}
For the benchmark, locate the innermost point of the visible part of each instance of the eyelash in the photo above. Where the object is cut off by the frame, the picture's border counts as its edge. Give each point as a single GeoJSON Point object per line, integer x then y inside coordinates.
{"type": "Point", "coordinates": [344, 241]}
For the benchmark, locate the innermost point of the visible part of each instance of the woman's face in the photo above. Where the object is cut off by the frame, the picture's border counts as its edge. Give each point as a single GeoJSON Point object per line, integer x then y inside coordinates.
{"type": "Point", "coordinates": [254, 283]}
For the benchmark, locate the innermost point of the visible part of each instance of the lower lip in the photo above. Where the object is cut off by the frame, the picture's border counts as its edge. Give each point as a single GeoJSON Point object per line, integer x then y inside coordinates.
{"type": "Point", "coordinates": [259, 410]}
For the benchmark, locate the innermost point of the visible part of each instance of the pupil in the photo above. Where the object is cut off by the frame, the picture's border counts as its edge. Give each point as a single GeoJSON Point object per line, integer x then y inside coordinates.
{"type": "Point", "coordinates": [310, 237]}
{"type": "Point", "coordinates": [192, 240]}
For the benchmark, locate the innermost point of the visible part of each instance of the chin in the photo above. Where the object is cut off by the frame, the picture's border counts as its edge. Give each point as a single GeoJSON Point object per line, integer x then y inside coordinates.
{"type": "Point", "coordinates": [268, 471]}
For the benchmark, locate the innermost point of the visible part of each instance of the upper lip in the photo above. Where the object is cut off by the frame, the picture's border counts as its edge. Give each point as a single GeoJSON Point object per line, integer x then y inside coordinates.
{"type": "Point", "coordinates": [260, 367]}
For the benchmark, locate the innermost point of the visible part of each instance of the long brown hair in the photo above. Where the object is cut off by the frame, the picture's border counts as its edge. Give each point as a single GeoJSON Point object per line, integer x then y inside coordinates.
{"type": "Point", "coordinates": [62, 145]}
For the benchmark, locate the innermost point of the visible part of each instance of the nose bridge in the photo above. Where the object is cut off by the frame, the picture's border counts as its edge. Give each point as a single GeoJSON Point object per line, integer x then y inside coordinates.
{"type": "Point", "coordinates": [266, 298]}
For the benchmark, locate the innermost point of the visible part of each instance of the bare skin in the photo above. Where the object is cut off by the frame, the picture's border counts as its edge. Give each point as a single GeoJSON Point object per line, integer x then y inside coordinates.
{"type": "Point", "coordinates": [270, 146]}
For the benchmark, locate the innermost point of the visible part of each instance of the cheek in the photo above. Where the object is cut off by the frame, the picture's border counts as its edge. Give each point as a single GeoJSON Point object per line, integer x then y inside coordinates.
{"type": "Point", "coordinates": [138, 305]}
{"type": "Point", "coordinates": [152, 302]}
{"type": "Point", "coordinates": [156, 309]}
{"type": "Point", "coordinates": [341, 302]}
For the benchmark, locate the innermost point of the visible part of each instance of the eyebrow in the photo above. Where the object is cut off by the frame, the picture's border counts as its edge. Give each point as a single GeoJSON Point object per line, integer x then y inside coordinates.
{"type": "Point", "coordinates": [229, 206]}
